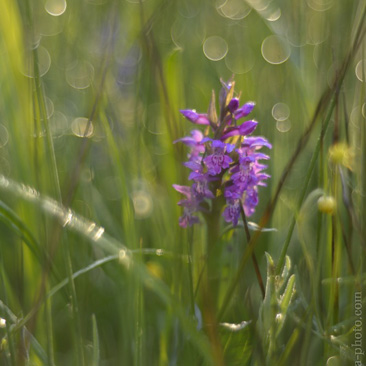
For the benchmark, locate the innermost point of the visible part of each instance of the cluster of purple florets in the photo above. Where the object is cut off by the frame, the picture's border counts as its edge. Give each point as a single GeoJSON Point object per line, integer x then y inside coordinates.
{"type": "Point", "coordinates": [228, 162]}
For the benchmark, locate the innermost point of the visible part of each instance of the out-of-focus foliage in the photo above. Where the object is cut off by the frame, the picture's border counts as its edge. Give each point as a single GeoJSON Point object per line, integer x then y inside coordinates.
{"type": "Point", "coordinates": [94, 269]}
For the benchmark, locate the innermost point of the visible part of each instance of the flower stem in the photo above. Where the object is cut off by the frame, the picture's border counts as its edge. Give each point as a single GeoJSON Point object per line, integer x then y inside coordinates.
{"type": "Point", "coordinates": [213, 250]}
{"type": "Point", "coordinates": [211, 281]}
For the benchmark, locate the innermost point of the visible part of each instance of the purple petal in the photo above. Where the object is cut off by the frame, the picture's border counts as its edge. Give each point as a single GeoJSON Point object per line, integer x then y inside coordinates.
{"type": "Point", "coordinates": [230, 147]}
{"type": "Point", "coordinates": [233, 105]}
{"type": "Point", "coordinates": [259, 156]}
{"type": "Point", "coordinates": [232, 212]}
{"type": "Point", "coordinates": [244, 129]}
{"type": "Point", "coordinates": [183, 189]}
{"type": "Point", "coordinates": [247, 127]}
{"type": "Point", "coordinates": [187, 140]}
{"type": "Point", "coordinates": [193, 165]}
{"type": "Point", "coordinates": [256, 141]}
{"type": "Point", "coordinates": [197, 135]}
{"type": "Point", "coordinates": [187, 219]}
{"type": "Point", "coordinates": [218, 144]}
{"type": "Point", "coordinates": [193, 116]}
{"type": "Point", "coordinates": [244, 110]}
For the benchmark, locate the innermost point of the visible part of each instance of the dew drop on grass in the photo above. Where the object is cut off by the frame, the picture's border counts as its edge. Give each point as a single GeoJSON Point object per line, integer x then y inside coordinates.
{"type": "Point", "coordinates": [159, 252]}
{"type": "Point", "coordinates": [80, 74]}
{"type": "Point", "coordinates": [124, 258]}
{"type": "Point", "coordinates": [97, 233]}
{"type": "Point", "coordinates": [82, 127]}
{"type": "Point", "coordinates": [275, 50]}
{"type": "Point", "coordinates": [55, 7]}
{"type": "Point", "coordinates": [215, 48]}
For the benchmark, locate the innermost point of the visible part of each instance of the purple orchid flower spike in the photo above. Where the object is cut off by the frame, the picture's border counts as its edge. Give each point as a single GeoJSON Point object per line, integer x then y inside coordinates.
{"type": "Point", "coordinates": [218, 166]}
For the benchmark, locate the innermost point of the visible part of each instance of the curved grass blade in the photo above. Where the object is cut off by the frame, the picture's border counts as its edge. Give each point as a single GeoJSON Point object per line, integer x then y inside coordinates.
{"type": "Point", "coordinates": [12, 220]}
{"type": "Point", "coordinates": [96, 236]}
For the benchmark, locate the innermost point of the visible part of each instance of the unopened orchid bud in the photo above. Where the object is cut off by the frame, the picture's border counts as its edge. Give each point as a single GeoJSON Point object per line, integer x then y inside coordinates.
{"type": "Point", "coordinates": [327, 205]}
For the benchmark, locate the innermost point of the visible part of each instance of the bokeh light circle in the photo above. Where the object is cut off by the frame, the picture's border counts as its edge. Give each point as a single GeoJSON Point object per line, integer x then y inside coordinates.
{"type": "Point", "coordinates": [274, 15]}
{"type": "Point", "coordinates": [360, 70]}
{"type": "Point", "coordinates": [58, 124]}
{"type": "Point", "coordinates": [320, 5]}
{"type": "Point", "coordinates": [215, 48]}
{"type": "Point", "coordinates": [275, 50]}
{"type": "Point", "coordinates": [81, 127]}
{"type": "Point", "coordinates": [259, 5]}
{"type": "Point", "coordinates": [239, 59]}
{"type": "Point", "coordinates": [44, 63]}
{"type": "Point", "coordinates": [142, 203]}
{"type": "Point", "coordinates": [280, 111]}
{"type": "Point", "coordinates": [80, 74]}
{"type": "Point", "coordinates": [55, 7]}
{"type": "Point", "coordinates": [4, 136]}
{"type": "Point", "coordinates": [49, 107]}
{"type": "Point", "coordinates": [363, 110]}
{"type": "Point", "coordinates": [234, 9]}
{"type": "Point", "coordinates": [284, 125]}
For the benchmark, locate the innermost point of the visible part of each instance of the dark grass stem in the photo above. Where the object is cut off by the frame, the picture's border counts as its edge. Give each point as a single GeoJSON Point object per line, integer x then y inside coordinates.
{"type": "Point", "coordinates": [73, 182]}
{"type": "Point", "coordinates": [254, 259]}
{"type": "Point", "coordinates": [309, 173]}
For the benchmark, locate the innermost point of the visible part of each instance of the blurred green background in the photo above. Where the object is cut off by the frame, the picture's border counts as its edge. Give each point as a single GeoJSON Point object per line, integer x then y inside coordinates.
{"type": "Point", "coordinates": [89, 109]}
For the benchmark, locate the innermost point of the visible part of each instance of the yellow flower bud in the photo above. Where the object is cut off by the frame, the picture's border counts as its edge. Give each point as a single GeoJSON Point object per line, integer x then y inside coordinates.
{"type": "Point", "coordinates": [341, 154]}
{"type": "Point", "coordinates": [327, 204]}
{"type": "Point", "coordinates": [155, 269]}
